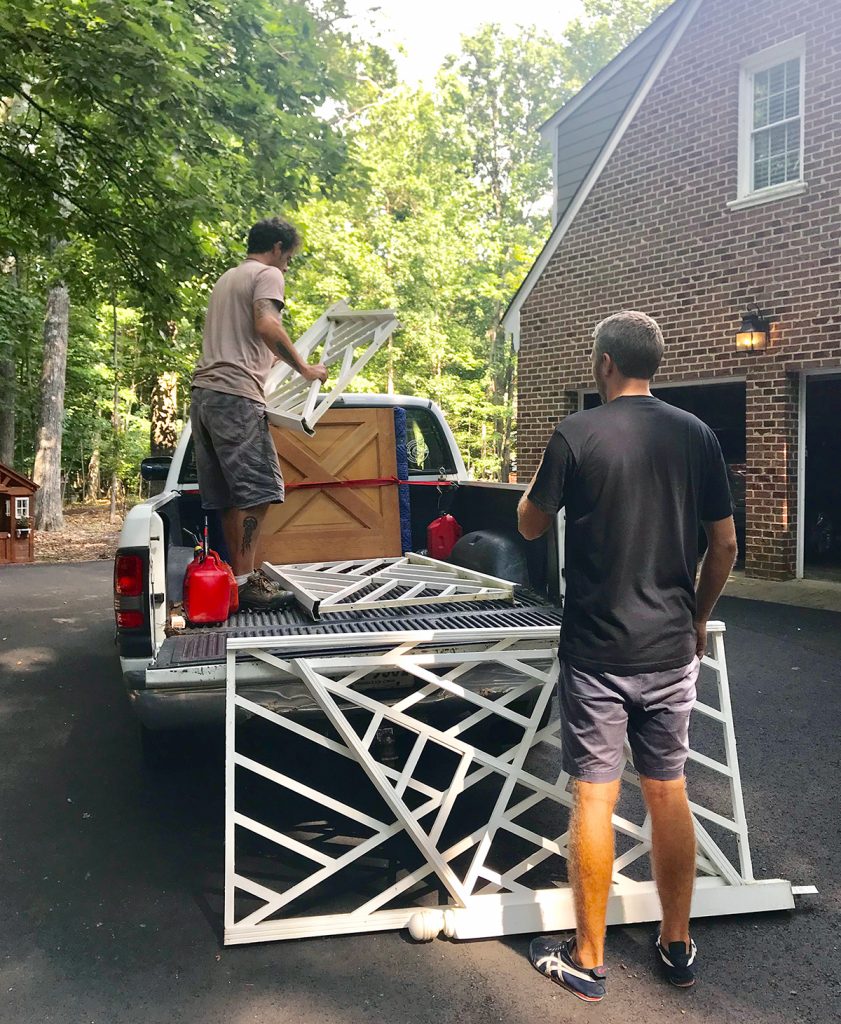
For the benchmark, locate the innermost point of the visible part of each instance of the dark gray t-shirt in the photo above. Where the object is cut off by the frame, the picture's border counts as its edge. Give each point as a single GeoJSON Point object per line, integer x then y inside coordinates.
{"type": "Point", "coordinates": [636, 477]}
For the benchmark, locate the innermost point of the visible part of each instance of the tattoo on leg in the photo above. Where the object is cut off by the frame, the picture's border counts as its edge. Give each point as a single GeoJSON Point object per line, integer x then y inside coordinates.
{"type": "Point", "coordinates": [249, 525]}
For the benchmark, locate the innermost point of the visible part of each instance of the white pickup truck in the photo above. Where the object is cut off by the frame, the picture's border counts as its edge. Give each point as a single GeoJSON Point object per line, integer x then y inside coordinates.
{"type": "Point", "coordinates": [175, 678]}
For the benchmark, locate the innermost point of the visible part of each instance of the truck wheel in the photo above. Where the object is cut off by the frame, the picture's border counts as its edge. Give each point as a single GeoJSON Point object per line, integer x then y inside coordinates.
{"type": "Point", "coordinates": [497, 735]}
{"type": "Point", "coordinates": [160, 749]}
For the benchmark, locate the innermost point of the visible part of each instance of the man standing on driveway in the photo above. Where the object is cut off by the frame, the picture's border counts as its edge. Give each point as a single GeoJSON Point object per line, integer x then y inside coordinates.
{"type": "Point", "coordinates": [237, 463]}
{"type": "Point", "coordinates": [636, 477]}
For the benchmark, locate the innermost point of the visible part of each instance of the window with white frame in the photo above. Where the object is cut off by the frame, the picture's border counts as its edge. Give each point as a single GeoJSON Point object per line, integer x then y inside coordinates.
{"type": "Point", "coordinates": [771, 122]}
{"type": "Point", "coordinates": [21, 508]}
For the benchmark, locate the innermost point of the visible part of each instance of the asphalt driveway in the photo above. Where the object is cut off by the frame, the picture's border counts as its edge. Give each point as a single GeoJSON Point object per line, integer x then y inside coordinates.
{"type": "Point", "coordinates": [111, 874]}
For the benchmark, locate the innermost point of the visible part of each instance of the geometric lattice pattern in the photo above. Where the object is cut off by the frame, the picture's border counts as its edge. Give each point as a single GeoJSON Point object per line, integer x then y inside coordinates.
{"type": "Point", "coordinates": [323, 587]}
{"type": "Point", "coordinates": [344, 340]}
{"type": "Point", "coordinates": [457, 822]}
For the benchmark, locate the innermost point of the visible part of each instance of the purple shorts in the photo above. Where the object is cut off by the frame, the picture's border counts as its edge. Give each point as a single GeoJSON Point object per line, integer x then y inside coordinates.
{"type": "Point", "coordinates": [599, 709]}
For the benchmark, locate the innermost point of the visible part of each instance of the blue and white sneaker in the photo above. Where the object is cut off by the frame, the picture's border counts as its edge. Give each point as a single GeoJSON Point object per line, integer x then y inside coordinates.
{"type": "Point", "coordinates": [677, 962]}
{"type": "Point", "coordinates": [554, 959]}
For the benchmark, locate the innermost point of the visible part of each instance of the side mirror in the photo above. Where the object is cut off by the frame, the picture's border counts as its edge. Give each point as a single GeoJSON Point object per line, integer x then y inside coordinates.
{"type": "Point", "coordinates": [156, 467]}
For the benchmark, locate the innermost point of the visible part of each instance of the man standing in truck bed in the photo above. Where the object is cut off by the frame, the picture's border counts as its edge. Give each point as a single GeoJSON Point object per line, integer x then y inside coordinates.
{"type": "Point", "coordinates": [237, 464]}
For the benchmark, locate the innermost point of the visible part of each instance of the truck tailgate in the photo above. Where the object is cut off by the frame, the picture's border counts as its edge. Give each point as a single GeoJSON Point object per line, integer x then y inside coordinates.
{"type": "Point", "coordinates": [205, 647]}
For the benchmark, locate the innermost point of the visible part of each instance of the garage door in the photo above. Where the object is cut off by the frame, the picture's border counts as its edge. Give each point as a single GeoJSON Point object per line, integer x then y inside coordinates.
{"type": "Point", "coordinates": [822, 491]}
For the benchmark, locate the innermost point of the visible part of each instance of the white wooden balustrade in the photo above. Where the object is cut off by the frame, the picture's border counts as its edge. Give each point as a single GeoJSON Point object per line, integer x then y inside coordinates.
{"type": "Point", "coordinates": [345, 340]}
{"type": "Point", "coordinates": [502, 874]}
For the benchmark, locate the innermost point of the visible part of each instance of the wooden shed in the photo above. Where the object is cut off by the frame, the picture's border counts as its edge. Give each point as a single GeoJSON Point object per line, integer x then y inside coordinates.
{"type": "Point", "coordinates": [17, 535]}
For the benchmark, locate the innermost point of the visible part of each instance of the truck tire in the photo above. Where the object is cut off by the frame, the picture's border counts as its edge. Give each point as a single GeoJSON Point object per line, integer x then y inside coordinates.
{"type": "Point", "coordinates": [161, 749]}
{"type": "Point", "coordinates": [496, 735]}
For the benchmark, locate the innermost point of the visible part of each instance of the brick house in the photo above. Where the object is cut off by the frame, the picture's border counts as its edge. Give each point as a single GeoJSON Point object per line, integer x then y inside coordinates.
{"type": "Point", "coordinates": [698, 178]}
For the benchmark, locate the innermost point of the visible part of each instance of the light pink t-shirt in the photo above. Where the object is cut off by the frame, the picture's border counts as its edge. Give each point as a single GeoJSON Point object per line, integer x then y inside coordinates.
{"type": "Point", "coordinates": [235, 359]}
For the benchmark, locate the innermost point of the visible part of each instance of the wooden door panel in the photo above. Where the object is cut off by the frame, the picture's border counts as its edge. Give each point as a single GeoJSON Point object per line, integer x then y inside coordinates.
{"type": "Point", "coordinates": [329, 523]}
{"type": "Point", "coordinates": [299, 464]}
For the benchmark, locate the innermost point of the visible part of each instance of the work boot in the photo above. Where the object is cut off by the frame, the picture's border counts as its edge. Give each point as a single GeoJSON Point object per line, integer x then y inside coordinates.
{"type": "Point", "coordinates": [259, 594]}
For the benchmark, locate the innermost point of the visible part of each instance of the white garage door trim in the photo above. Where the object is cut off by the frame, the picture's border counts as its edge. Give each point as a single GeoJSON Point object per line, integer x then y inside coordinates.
{"type": "Point", "coordinates": [805, 376]}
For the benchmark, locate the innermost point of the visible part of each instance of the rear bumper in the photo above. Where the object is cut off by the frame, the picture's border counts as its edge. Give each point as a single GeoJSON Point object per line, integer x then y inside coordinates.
{"type": "Point", "coordinates": [193, 709]}
{"type": "Point", "coordinates": [171, 709]}
{"type": "Point", "coordinates": [185, 696]}
{"type": "Point", "coordinates": [193, 696]}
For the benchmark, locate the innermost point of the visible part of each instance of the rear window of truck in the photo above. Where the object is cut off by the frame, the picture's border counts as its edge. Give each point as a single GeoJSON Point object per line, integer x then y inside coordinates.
{"type": "Point", "coordinates": [428, 449]}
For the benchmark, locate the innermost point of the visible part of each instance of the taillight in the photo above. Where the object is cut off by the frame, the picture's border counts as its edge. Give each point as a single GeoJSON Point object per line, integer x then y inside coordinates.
{"type": "Point", "coordinates": [131, 602]}
{"type": "Point", "coordinates": [128, 579]}
{"type": "Point", "coordinates": [129, 619]}
{"type": "Point", "coordinates": [129, 591]}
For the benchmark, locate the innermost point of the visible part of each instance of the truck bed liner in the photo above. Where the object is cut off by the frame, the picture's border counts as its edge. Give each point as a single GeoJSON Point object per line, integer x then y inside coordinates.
{"type": "Point", "coordinates": [206, 645]}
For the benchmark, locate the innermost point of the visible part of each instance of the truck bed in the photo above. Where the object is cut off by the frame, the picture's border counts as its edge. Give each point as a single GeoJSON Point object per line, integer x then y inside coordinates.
{"type": "Point", "coordinates": [206, 645]}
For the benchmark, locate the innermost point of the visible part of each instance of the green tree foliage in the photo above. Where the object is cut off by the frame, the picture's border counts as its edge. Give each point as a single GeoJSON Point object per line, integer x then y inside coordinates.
{"type": "Point", "coordinates": [143, 143]}
{"type": "Point", "coordinates": [137, 131]}
{"type": "Point", "coordinates": [606, 27]}
{"type": "Point", "coordinates": [147, 140]}
{"type": "Point", "coordinates": [453, 211]}
{"type": "Point", "coordinates": [408, 240]}
{"type": "Point", "coordinates": [496, 93]}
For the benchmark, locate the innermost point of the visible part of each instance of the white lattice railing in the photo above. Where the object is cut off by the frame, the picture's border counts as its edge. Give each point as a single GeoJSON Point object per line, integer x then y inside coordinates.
{"type": "Point", "coordinates": [408, 581]}
{"type": "Point", "coordinates": [345, 340]}
{"type": "Point", "coordinates": [503, 873]}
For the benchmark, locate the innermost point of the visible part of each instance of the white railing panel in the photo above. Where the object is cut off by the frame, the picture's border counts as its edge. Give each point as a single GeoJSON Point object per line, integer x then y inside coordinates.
{"type": "Point", "coordinates": [321, 588]}
{"type": "Point", "coordinates": [345, 340]}
{"type": "Point", "coordinates": [503, 874]}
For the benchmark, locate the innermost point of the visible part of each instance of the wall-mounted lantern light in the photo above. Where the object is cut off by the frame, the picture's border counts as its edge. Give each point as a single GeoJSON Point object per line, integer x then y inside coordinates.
{"type": "Point", "coordinates": [754, 332]}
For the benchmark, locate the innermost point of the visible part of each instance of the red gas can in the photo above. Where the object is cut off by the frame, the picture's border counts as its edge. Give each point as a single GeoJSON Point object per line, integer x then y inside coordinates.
{"type": "Point", "coordinates": [441, 536]}
{"type": "Point", "coordinates": [233, 605]}
{"type": "Point", "coordinates": [207, 590]}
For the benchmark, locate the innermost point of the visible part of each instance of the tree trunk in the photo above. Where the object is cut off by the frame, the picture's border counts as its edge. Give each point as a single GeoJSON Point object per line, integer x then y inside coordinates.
{"type": "Point", "coordinates": [115, 486]}
{"type": "Point", "coordinates": [94, 482]}
{"type": "Point", "coordinates": [115, 411]}
{"type": "Point", "coordinates": [8, 396]}
{"type": "Point", "coordinates": [164, 415]}
{"type": "Point", "coordinates": [8, 390]}
{"type": "Point", "coordinates": [47, 474]}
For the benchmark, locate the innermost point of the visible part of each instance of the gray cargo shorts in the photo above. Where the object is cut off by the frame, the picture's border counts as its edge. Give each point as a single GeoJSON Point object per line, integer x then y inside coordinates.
{"type": "Point", "coordinates": [599, 709]}
{"type": "Point", "coordinates": [236, 459]}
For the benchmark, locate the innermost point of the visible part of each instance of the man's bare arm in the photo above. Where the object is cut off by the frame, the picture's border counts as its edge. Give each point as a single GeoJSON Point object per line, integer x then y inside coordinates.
{"type": "Point", "coordinates": [268, 326]}
{"type": "Point", "coordinates": [722, 549]}
{"type": "Point", "coordinates": [531, 521]}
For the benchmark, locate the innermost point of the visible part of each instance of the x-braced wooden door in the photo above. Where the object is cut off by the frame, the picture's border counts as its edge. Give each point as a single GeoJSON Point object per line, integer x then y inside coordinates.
{"type": "Point", "coordinates": [332, 521]}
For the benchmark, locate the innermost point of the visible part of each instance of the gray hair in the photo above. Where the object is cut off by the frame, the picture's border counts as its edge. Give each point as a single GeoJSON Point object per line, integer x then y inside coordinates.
{"type": "Point", "coordinates": [634, 342]}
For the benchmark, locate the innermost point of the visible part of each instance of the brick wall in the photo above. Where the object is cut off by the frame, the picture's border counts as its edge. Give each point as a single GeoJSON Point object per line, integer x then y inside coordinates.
{"type": "Point", "coordinates": [656, 234]}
